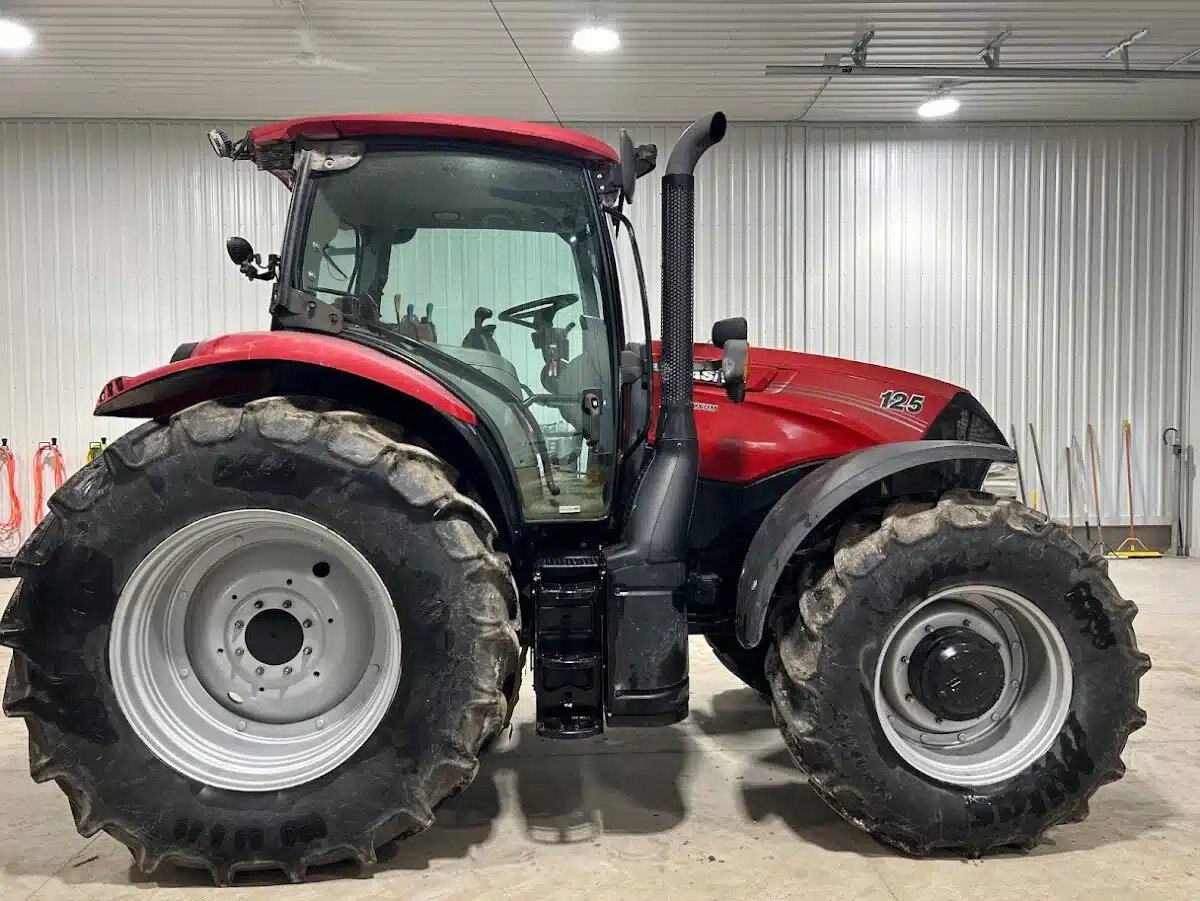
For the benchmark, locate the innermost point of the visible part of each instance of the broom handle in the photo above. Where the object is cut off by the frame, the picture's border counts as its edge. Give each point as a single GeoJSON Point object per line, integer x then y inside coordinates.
{"type": "Point", "coordinates": [1129, 471]}
{"type": "Point", "coordinates": [1070, 497]}
{"type": "Point", "coordinates": [1091, 434]}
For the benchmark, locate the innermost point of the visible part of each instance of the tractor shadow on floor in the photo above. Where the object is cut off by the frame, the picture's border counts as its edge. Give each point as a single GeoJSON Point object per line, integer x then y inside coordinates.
{"type": "Point", "coordinates": [733, 712]}
{"type": "Point", "coordinates": [616, 785]}
{"type": "Point", "coordinates": [796, 805]}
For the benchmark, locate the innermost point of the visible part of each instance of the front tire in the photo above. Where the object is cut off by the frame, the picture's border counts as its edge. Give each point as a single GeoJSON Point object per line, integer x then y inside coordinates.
{"type": "Point", "coordinates": [748, 664]}
{"type": "Point", "coordinates": [353, 496]}
{"type": "Point", "coordinates": [913, 682]}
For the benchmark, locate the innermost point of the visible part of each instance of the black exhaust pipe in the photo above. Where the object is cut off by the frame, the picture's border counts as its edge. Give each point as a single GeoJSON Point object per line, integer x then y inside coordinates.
{"type": "Point", "coordinates": [647, 623]}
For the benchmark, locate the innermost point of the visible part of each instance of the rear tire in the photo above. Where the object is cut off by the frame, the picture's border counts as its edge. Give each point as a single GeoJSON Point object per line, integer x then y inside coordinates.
{"type": "Point", "coordinates": [918, 788]}
{"type": "Point", "coordinates": [394, 503]}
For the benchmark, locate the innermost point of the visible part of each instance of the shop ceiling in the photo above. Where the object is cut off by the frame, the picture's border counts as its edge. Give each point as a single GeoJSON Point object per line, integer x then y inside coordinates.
{"type": "Point", "coordinates": [255, 59]}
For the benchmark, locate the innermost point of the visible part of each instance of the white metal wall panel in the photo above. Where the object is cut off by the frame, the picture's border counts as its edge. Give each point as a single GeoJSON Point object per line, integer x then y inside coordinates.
{"type": "Point", "coordinates": [1041, 267]}
{"type": "Point", "coordinates": [1190, 513]}
{"type": "Point", "coordinates": [111, 255]}
{"type": "Point", "coordinates": [744, 221]}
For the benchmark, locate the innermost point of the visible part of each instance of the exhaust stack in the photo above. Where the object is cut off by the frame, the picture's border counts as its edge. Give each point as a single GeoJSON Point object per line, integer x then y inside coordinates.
{"type": "Point", "coordinates": [647, 638]}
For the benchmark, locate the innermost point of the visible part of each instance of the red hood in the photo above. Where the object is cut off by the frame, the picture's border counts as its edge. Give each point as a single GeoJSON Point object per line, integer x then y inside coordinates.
{"type": "Point", "coordinates": [803, 407]}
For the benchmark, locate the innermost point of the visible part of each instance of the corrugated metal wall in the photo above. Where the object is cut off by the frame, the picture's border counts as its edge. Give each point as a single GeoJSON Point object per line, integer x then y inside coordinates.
{"type": "Point", "coordinates": [1043, 267]}
{"type": "Point", "coordinates": [111, 255]}
{"type": "Point", "coordinates": [1040, 266]}
{"type": "Point", "coordinates": [1190, 512]}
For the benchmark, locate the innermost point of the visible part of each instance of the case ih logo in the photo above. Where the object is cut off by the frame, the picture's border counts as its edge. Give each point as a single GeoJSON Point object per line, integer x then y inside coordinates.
{"type": "Point", "coordinates": [708, 376]}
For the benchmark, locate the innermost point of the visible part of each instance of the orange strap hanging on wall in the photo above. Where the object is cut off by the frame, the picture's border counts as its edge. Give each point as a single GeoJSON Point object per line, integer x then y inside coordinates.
{"type": "Point", "coordinates": [10, 526]}
{"type": "Point", "coordinates": [47, 455]}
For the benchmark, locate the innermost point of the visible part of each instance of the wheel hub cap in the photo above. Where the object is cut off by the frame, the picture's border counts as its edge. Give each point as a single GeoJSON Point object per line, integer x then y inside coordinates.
{"type": "Point", "coordinates": [956, 673]}
{"type": "Point", "coordinates": [274, 637]}
{"type": "Point", "coordinates": [972, 685]}
{"type": "Point", "coordinates": [254, 650]}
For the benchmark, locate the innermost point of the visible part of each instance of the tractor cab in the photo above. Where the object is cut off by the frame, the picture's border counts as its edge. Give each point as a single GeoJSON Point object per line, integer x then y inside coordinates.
{"type": "Point", "coordinates": [482, 257]}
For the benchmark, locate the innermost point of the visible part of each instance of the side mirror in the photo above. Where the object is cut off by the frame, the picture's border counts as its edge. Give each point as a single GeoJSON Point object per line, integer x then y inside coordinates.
{"type": "Point", "coordinates": [248, 261]}
{"type": "Point", "coordinates": [629, 166]}
{"type": "Point", "coordinates": [735, 358]}
{"type": "Point", "coordinates": [734, 329]}
{"type": "Point", "coordinates": [239, 250]}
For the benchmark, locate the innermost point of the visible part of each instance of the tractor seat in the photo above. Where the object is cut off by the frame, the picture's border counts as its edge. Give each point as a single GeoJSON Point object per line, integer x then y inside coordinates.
{"type": "Point", "coordinates": [490, 363]}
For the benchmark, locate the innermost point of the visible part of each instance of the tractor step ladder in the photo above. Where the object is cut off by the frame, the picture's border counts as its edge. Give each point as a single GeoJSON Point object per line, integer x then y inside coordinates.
{"type": "Point", "coordinates": [568, 655]}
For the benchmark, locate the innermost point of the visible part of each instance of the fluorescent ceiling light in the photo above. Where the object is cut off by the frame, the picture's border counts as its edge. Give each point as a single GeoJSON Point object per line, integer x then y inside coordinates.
{"type": "Point", "coordinates": [936, 107]}
{"type": "Point", "coordinates": [596, 39]}
{"type": "Point", "coordinates": [14, 35]}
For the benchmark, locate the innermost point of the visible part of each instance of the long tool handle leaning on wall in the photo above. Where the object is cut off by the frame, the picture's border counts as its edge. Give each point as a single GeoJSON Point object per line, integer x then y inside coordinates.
{"type": "Point", "coordinates": [1037, 460]}
{"type": "Point", "coordinates": [1100, 543]}
{"type": "Point", "coordinates": [1070, 500]}
{"type": "Point", "coordinates": [1172, 439]}
{"type": "Point", "coordinates": [1087, 518]}
{"type": "Point", "coordinates": [1012, 437]}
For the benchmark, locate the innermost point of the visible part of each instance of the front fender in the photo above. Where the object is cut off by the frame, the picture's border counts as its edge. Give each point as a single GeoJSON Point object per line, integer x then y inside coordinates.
{"type": "Point", "coordinates": [809, 501]}
{"type": "Point", "coordinates": [234, 364]}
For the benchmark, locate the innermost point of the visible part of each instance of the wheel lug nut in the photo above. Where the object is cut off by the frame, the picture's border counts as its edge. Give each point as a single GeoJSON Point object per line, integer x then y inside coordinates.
{"type": "Point", "coordinates": [962, 736]}
{"type": "Point", "coordinates": [938, 720]}
{"type": "Point", "coordinates": [996, 645]}
{"type": "Point", "coordinates": [287, 670]}
{"type": "Point", "coordinates": [308, 624]}
{"type": "Point", "coordinates": [908, 697]}
{"type": "Point", "coordinates": [967, 623]}
{"type": "Point", "coordinates": [240, 651]}
{"type": "Point", "coordinates": [904, 660]}
{"type": "Point", "coordinates": [258, 605]}
{"type": "Point", "coordinates": [238, 624]}
{"type": "Point", "coordinates": [258, 671]}
{"type": "Point", "coordinates": [287, 604]}
{"type": "Point", "coordinates": [307, 651]}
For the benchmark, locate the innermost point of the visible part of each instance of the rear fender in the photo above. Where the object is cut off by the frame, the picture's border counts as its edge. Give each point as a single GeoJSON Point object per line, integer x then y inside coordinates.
{"type": "Point", "coordinates": [206, 372]}
{"type": "Point", "coordinates": [807, 503]}
{"type": "Point", "coordinates": [262, 364]}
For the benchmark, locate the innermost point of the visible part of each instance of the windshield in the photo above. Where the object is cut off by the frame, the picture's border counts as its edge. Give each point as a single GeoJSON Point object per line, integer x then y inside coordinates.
{"type": "Point", "coordinates": [486, 268]}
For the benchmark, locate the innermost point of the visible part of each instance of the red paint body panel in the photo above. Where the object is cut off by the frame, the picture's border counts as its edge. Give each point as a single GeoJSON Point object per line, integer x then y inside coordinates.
{"type": "Point", "coordinates": [547, 138]}
{"type": "Point", "coordinates": [804, 407]}
{"type": "Point", "coordinates": [168, 388]}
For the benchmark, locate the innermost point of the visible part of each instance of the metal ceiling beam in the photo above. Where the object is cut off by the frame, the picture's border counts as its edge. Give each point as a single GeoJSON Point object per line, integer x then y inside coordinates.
{"type": "Point", "coordinates": [984, 73]}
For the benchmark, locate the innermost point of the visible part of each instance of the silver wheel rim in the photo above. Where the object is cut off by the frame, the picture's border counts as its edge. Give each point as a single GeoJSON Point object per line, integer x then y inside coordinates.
{"type": "Point", "coordinates": [200, 650]}
{"type": "Point", "coordinates": [1023, 722]}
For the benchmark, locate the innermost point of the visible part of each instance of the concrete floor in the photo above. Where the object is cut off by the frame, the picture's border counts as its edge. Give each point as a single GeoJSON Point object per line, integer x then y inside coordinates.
{"type": "Point", "coordinates": [712, 808]}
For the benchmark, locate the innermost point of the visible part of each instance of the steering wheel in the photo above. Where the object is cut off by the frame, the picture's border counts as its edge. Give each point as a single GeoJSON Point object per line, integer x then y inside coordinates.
{"type": "Point", "coordinates": [528, 314]}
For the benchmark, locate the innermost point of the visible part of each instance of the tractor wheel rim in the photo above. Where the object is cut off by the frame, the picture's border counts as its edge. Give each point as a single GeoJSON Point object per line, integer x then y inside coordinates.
{"type": "Point", "coordinates": [1018, 721]}
{"type": "Point", "coordinates": [254, 650]}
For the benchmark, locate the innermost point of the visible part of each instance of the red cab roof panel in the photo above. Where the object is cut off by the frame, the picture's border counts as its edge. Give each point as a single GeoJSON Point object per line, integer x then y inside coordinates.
{"type": "Point", "coordinates": [546, 138]}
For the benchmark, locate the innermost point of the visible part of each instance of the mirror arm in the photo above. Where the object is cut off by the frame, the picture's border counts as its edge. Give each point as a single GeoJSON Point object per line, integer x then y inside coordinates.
{"type": "Point", "coordinates": [251, 269]}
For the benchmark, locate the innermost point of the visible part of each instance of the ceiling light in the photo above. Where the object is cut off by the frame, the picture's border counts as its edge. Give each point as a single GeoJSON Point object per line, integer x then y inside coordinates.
{"type": "Point", "coordinates": [596, 39]}
{"type": "Point", "coordinates": [936, 107]}
{"type": "Point", "coordinates": [14, 35]}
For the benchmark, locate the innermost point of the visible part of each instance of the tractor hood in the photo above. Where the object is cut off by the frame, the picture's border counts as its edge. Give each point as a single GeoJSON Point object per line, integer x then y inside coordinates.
{"type": "Point", "coordinates": [801, 408]}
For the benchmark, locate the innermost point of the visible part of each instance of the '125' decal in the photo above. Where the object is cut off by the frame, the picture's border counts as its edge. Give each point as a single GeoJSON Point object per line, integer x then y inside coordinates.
{"type": "Point", "coordinates": [902, 400]}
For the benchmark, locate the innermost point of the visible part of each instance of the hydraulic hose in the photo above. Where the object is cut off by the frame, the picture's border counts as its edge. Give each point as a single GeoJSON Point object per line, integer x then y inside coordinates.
{"type": "Point", "coordinates": [10, 526]}
{"type": "Point", "coordinates": [47, 455]}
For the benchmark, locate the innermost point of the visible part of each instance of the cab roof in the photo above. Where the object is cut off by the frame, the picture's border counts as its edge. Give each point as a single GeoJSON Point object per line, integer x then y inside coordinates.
{"type": "Point", "coordinates": [546, 138]}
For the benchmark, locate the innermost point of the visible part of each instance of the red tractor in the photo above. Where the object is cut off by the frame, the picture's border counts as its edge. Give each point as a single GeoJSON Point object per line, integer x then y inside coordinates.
{"type": "Point", "coordinates": [276, 625]}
